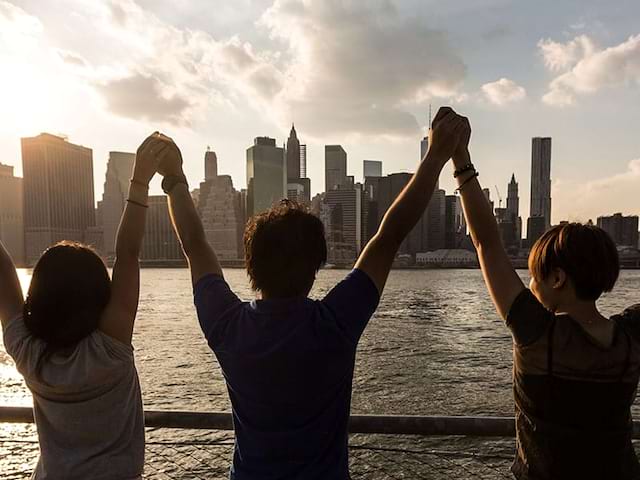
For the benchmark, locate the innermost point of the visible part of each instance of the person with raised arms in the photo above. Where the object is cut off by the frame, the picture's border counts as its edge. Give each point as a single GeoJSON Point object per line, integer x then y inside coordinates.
{"type": "Point", "coordinates": [575, 371]}
{"type": "Point", "coordinates": [71, 341]}
{"type": "Point", "coordinates": [288, 360]}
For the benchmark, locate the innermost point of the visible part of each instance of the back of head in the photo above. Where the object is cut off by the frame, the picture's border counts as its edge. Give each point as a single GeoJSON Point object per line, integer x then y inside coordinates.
{"type": "Point", "coordinates": [586, 253]}
{"type": "Point", "coordinates": [70, 288]}
{"type": "Point", "coordinates": [285, 247]}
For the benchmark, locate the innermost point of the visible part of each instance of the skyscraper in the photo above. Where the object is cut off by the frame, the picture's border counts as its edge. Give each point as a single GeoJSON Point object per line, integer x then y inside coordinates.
{"type": "Point", "coordinates": [12, 214]}
{"type": "Point", "coordinates": [335, 166]}
{"type": "Point", "coordinates": [293, 155]}
{"type": "Point", "coordinates": [210, 165]}
{"type": "Point", "coordinates": [371, 168]}
{"type": "Point", "coordinates": [220, 209]}
{"type": "Point", "coordinates": [454, 224]}
{"type": "Point", "coordinates": [58, 192]}
{"type": "Point", "coordinates": [541, 179]}
{"type": "Point", "coordinates": [513, 210]}
{"type": "Point", "coordinates": [303, 161]}
{"type": "Point", "coordinates": [160, 245]}
{"type": "Point", "coordinates": [622, 229]}
{"type": "Point", "coordinates": [345, 228]}
{"type": "Point", "coordinates": [116, 188]}
{"type": "Point", "coordinates": [266, 175]}
{"type": "Point", "coordinates": [298, 186]}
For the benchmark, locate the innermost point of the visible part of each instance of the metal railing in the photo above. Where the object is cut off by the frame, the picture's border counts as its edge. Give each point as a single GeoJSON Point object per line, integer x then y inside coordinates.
{"type": "Point", "coordinates": [194, 445]}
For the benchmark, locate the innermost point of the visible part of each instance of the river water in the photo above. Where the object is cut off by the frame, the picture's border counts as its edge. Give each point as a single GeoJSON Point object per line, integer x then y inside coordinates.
{"type": "Point", "coordinates": [435, 347]}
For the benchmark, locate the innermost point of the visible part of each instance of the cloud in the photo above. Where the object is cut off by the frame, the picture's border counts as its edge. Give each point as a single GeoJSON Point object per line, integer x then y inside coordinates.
{"type": "Point", "coordinates": [503, 91]}
{"type": "Point", "coordinates": [587, 68]}
{"type": "Point", "coordinates": [144, 97]}
{"type": "Point", "coordinates": [18, 29]}
{"type": "Point", "coordinates": [72, 59]}
{"type": "Point", "coordinates": [338, 67]}
{"type": "Point", "coordinates": [352, 66]}
{"type": "Point", "coordinates": [617, 193]}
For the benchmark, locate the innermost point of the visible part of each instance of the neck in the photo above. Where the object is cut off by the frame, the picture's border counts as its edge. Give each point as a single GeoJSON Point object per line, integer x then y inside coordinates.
{"type": "Point", "coordinates": [581, 310]}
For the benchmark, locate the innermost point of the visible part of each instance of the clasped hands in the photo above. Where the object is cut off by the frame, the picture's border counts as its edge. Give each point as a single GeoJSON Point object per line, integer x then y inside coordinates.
{"type": "Point", "coordinates": [158, 153]}
{"type": "Point", "coordinates": [449, 137]}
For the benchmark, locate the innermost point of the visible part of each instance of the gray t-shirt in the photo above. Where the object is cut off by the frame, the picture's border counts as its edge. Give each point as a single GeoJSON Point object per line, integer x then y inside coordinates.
{"type": "Point", "coordinates": [87, 406]}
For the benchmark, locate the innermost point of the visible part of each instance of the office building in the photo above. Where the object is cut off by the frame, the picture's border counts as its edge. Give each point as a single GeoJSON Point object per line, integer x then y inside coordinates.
{"type": "Point", "coordinates": [298, 187]}
{"type": "Point", "coordinates": [335, 167]}
{"type": "Point", "coordinates": [266, 175]}
{"type": "Point", "coordinates": [303, 161]}
{"type": "Point", "coordinates": [344, 213]}
{"type": "Point", "coordinates": [220, 208]}
{"type": "Point", "coordinates": [622, 229]}
{"type": "Point", "coordinates": [371, 168]}
{"type": "Point", "coordinates": [210, 165]}
{"type": "Point", "coordinates": [455, 227]}
{"type": "Point", "coordinates": [293, 155]}
{"type": "Point", "coordinates": [58, 192]}
{"type": "Point", "coordinates": [160, 244]}
{"type": "Point", "coordinates": [541, 179]}
{"type": "Point", "coordinates": [116, 189]}
{"type": "Point", "coordinates": [511, 227]}
{"type": "Point", "coordinates": [12, 214]}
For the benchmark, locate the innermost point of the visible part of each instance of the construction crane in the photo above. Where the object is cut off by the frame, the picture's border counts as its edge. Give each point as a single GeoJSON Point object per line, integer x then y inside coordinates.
{"type": "Point", "coordinates": [499, 197]}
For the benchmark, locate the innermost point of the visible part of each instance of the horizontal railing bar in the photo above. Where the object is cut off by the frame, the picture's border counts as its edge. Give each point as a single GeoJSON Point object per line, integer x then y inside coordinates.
{"type": "Point", "coordinates": [373, 424]}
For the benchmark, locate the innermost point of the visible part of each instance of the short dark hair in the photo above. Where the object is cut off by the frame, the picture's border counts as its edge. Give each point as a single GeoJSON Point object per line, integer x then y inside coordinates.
{"type": "Point", "coordinates": [586, 253]}
{"type": "Point", "coordinates": [285, 247]}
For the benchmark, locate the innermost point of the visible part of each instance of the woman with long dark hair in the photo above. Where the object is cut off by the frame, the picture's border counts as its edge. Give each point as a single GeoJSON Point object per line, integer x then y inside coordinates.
{"type": "Point", "coordinates": [71, 340]}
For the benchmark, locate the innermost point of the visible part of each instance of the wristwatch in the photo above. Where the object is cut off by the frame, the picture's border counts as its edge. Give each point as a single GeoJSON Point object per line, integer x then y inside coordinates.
{"type": "Point", "coordinates": [170, 181]}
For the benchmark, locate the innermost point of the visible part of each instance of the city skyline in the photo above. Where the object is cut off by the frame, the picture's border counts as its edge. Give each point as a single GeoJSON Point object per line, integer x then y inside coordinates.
{"type": "Point", "coordinates": [111, 89]}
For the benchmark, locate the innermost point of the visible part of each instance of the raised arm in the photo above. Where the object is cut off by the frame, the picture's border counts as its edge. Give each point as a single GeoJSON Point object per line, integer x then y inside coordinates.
{"type": "Point", "coordinates": [119, 316]}
{"type": "Point", "coordinates": [503, 282]}
{"type": "Point", "coordinates": [377, 257]}
{"type": "Point", "coordinates": [11, 299]}
{"type": "Point", "coordinates": [184, 216]}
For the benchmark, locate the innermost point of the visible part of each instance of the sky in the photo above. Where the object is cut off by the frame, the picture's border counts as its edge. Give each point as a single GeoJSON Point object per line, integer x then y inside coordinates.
{"type": "Point", "coordinates": [106, 73]}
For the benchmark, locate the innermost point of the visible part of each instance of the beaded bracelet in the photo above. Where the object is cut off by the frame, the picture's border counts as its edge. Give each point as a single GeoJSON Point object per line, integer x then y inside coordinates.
{"type": "Point", "coordinates": [459, 189]}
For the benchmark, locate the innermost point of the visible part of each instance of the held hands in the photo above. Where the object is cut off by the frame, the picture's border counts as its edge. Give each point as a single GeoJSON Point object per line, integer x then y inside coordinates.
{"type": "Point", "coordinates": [158, 153]}
{"type": "Point", "coordinates": [448, 134]}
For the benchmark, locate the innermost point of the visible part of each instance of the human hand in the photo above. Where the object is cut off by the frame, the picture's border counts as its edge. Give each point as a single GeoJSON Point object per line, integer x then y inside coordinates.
{"type": "Point", "coordinates": [444, 134]}
{"type": "Point", "coordinates": [461, 156]}
{"type": "Point", "coordinates": [171, 161]}
{"type": "Point", "coordinates": [147, 158]}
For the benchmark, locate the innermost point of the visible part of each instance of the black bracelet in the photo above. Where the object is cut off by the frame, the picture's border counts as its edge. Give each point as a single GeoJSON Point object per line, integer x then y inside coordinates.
{"type": "Point", "coordinates": [459, 189]}
{"type": "Point", "coordinates": [137, 203]}
{"type": "Point", "coordinates": [461, 170]}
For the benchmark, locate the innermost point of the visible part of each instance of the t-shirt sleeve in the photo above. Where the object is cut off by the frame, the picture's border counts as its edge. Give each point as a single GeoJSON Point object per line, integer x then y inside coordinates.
{"type": "Point", "coordinates": [23, 347]}
{"type": "Point", "coordinates": [352, 303]}
{"type": "Point", "coordinates": [630, 320]}
{"type": "Point", "coordinates": [214, 300]}
{"type": "Point", "coordinates": [528, 319]}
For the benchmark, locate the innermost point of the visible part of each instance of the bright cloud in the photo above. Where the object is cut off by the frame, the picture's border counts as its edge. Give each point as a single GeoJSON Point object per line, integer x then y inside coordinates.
{"type": "Point", "coordinates": [354, 64]}
{"type": "Point", "coordinates": [338, 67]}
{"type": "Point", "coordinates": [588, 69]}
{"type": "Point", "coordinates": [503, 91]}
{"type": "Point", "coordinates": [617, 193]}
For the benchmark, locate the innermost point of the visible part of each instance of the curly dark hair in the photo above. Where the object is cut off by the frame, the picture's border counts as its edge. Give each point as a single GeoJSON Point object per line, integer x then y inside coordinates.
{"type": "Point", "coordinates": [285, 247]}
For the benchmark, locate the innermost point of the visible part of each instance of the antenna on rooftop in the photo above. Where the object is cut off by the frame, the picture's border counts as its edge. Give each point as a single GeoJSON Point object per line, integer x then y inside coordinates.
{"type": "Point", "coordinates": [429, 116]}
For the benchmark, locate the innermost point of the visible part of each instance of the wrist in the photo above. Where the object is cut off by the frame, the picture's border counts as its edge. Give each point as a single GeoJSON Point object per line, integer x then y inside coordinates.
{"type": "Point", "coordinates": [435, 158]}
{"type": "Point", "coordinates": [138, 193]}
{"type": "Point", "coordinates": [461, 158]}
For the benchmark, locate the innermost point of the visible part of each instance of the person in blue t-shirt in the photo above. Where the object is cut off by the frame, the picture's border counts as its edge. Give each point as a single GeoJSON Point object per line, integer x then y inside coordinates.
{"type": "Point", "coordinates": [288, 360]}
